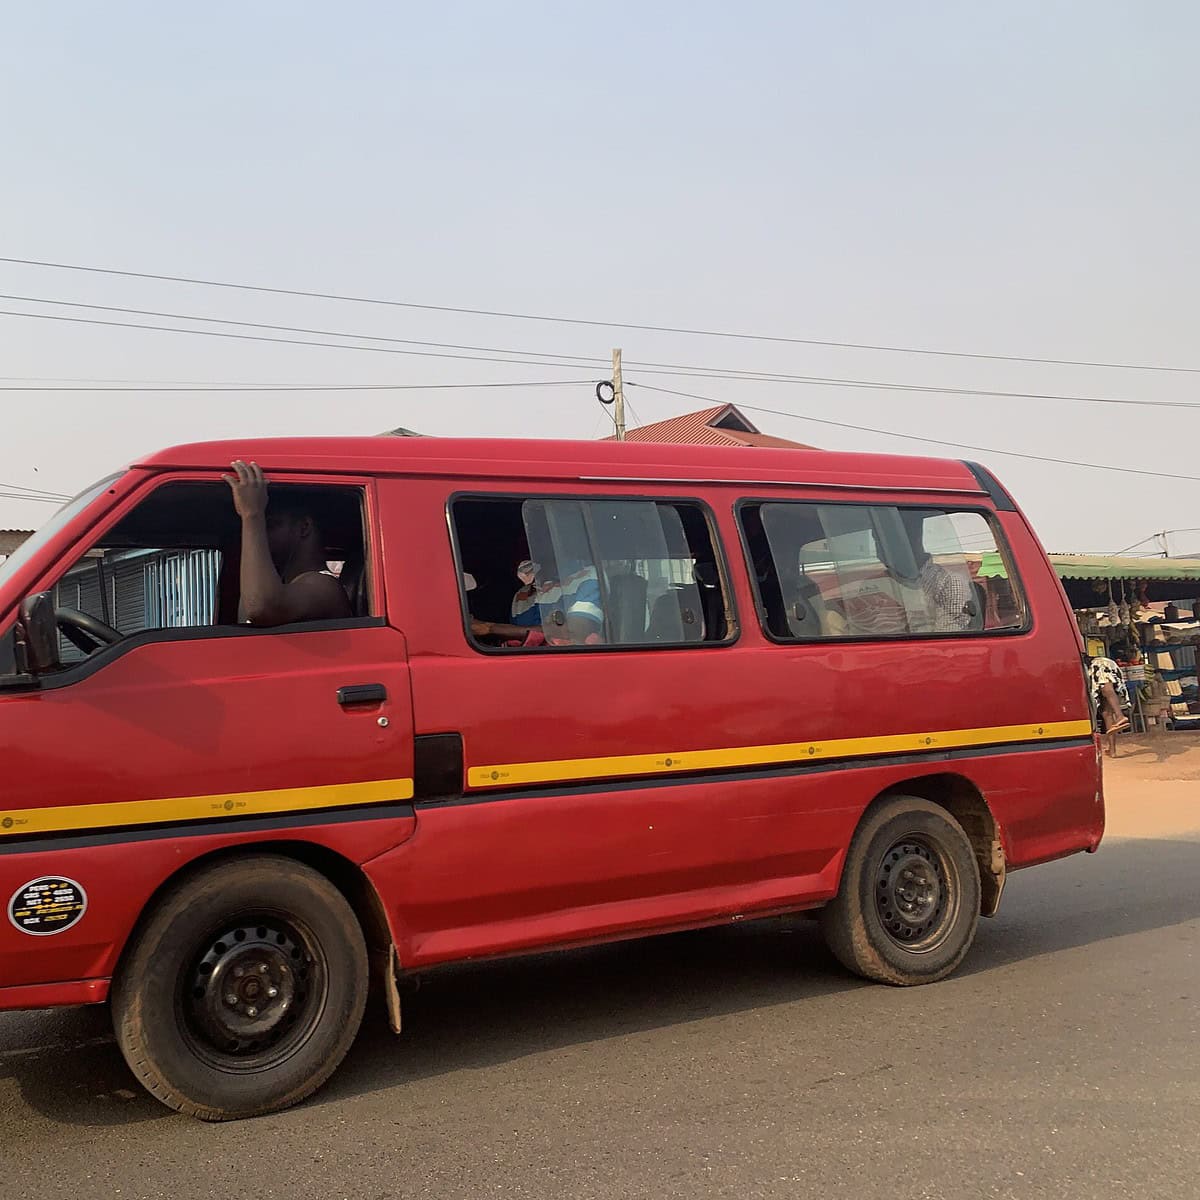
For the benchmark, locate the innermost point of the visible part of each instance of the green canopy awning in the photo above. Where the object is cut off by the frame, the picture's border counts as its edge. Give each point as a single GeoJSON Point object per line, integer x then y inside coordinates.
{"type": "Point", "coordinates": [1105, 566]}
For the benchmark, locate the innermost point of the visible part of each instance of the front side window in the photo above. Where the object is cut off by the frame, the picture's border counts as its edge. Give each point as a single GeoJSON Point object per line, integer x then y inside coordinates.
{"type": "Point", "coordinates": [878, 571]}
{"type": "Point", "coordinates": [61, 519]}
{"type": "Point", "coordinates": [173, 563]}
{"type": "Point", "coordinates": [546, 571]}
{"type": "Point", "coordinates": [132, 590]}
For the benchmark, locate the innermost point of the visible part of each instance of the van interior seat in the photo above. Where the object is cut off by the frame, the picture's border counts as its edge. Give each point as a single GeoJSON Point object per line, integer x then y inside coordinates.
{"type": "Point", "coordinates": [712, 602]}
{"type": "Point", "coordinates": [353, 578]}
{"type": "Point", "coordinates": [627, 607]}
{"type": "Point", "coordinates": [977, 611]}
{"type": "Point", "coordinates": [674, 619]}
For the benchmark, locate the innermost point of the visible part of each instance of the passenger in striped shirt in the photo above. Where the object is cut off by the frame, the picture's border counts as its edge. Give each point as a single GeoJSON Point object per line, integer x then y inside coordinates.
{"type": "Point", "coordinates": [567, 609]}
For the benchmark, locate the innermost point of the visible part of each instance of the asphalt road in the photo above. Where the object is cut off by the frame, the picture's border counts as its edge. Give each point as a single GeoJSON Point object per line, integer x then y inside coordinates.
{"type": "Point", "coordinates": [1062, 1061]}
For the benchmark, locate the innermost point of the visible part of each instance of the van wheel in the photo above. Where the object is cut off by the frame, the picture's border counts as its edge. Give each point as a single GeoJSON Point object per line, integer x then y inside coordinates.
{"type": "Point", "coordinates": [243, 990]}
{"type": "Point", "coordinates": [908, 906]}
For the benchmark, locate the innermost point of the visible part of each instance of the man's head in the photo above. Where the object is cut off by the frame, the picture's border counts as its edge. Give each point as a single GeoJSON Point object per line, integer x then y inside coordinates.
{"type": "Point", "coordinates": [294, 537]}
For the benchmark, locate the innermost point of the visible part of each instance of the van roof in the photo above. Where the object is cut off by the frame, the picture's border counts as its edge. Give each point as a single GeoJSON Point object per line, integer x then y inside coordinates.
{"type": "Point", "coordinates": [567, 460]}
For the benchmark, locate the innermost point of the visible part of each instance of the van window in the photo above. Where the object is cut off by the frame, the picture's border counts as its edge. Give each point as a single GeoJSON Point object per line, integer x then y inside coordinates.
{"type": "Point", "coordinates": [878, 571]}
{"type": "Point", "coordinates": [31, 547]}
{"type": "Point", "coordinates": [137, 589]}
{"type": "Point", "coordinates": [567, 572]}
{"type": "Point", "coordinates": [172, 562]}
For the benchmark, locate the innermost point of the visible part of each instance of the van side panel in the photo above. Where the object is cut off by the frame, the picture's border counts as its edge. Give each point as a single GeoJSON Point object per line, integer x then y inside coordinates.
{"type": "Point", "coordinates": [121, 876]}
{"type": "Point", "coordinates": [586, 852]}
{"type": "Point", "coordinates": [690, 853]}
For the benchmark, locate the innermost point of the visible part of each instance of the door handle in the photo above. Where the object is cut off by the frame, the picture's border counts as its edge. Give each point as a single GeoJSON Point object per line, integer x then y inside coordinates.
{"type": "Point", "coordinates": [361, 693]}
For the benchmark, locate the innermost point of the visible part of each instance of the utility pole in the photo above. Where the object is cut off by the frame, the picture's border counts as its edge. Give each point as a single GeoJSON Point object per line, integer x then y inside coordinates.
{"type": "Point", "coordinates": [618, 396]}
{"type": "Point", "coordinates": [1165, 544]}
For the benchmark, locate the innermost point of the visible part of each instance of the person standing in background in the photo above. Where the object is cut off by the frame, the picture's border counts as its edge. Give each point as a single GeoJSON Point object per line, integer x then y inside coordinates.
{"type": "Point", "coordinates": [1109, 697]}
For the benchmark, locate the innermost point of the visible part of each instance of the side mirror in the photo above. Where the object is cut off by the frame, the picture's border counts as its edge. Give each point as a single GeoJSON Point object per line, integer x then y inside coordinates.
{"type": "Point", "coordinates": [38, 633]}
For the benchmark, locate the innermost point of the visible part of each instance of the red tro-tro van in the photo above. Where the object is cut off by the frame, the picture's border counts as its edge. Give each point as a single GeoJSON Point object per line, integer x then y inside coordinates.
{"type": "Point", "coordinates": [584, 691]}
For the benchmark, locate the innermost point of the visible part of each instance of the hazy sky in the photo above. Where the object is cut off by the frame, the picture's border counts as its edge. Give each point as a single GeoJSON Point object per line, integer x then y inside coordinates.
{"type": "Point", "coordinates": [1017, 178]}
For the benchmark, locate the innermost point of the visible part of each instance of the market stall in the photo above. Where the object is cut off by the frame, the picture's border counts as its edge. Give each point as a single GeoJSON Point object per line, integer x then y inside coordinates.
{"type": "Point", "coordinates": [1144, 612]}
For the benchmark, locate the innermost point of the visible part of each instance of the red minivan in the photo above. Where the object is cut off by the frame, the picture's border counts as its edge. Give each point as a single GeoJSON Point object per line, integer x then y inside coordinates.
{"type": "Point", "coordinates": [586, 691]}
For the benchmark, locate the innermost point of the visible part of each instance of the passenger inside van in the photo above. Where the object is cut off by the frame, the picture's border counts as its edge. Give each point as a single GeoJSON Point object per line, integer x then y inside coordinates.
{"type": "Point", "coordinates": [284, 575]}
{"type": "Point", "coordinates": [614, 572]}
{"type": "Point", "coordinates": [567, 600]}
{"type": "Point", "coordinates": [507, 633]}
{"type": "Point", "coordinates": [949, 597]}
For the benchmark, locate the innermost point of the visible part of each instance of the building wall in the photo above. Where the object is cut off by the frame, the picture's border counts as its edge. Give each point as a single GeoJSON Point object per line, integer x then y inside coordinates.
{"type": "Point", "coordinates": [10, 539]}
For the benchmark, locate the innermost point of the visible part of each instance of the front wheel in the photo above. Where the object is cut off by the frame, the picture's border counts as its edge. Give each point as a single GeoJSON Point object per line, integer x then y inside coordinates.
{"type": "Point", "coordinates": [243, 990]}
{"type": "Point", "coordinates": [908, 906]}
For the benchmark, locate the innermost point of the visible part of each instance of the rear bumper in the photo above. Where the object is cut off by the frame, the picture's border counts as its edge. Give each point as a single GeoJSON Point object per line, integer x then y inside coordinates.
{"type": "Point", "coordinates": [55, 995]}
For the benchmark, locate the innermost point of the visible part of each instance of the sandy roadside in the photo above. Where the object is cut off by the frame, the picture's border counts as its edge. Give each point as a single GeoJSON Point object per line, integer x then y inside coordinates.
{"type": "Point", "coordinates": [1152, 788]}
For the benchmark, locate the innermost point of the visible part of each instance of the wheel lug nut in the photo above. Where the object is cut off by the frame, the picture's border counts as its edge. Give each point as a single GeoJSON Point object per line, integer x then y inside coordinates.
{"type": "Point", "coordinates": [231, 1001]}
{"type": "Point", "coordinates": [252, 1011]}
{"type": "Point", "coordinates": [272, 992]}
{"type": "Point", "coordinates": [238, 972]}
{"type": "Point", "coordinates": [262, 968]}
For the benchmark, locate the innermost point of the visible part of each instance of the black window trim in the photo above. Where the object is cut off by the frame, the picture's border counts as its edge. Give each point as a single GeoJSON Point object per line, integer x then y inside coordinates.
{"type": "Point", "coordinates": [732, 616]}
{"type": "Point", "coordinates": [990, 484]}
{"type": "Point", "coordinates": [989, 515]}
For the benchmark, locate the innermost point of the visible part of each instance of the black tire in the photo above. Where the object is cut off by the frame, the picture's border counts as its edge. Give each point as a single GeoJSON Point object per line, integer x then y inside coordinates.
{"type": "Point", "coordinates": [908, 905]}
{"type": "Point", "coordinates": [243, 990]}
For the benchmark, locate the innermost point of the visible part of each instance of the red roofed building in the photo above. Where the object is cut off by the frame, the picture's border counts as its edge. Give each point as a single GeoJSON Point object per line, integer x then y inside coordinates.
{"type": "Point", "coordinates": [722, 425]}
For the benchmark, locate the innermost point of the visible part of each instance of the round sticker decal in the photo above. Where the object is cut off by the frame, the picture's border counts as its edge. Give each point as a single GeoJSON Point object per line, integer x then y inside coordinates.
{"type": "Point", "coordinates": [47, 905]}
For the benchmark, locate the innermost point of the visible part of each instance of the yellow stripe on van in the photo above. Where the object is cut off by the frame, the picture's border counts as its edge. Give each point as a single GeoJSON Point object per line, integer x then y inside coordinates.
{"type": "Point", "coordinates": [70, 817]}
{"type": "Point", "coordinates": [618, 766]}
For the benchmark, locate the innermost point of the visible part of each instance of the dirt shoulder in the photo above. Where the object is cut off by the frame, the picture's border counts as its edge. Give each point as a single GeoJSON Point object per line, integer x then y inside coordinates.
{"type": "Point", "coordinates": [1152, 787]}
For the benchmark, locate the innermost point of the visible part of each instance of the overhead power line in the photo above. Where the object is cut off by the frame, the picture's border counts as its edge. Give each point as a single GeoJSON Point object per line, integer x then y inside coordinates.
{"type": "Point", "coordinates": [30, 491]}
{"type": "Point", "coordinates": [329, 333]}
{"type": "Point", "coordinates": [1160, 533]}
{"type": "Point", "coordinates": [1135, 545]}
{"type": "Point", "coordinates": [33, 499]}
{"type": "Point", "coordinates": [647, 328]}
{"type": "Point", "coordinates": [912, 437]}
{"type": "Point", "coordinates": [680, 370]}
{"type": "Point", "coordinates": [302, 387]}
{"type": "Point", "coordinates": [251, 337]}
{"type": "Point", "coordinates": [30, 382]}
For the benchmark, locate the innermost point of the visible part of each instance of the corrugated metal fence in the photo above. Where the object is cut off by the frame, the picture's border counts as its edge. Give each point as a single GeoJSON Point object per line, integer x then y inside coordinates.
{"type": "Point", "coordinates": [142, 589]}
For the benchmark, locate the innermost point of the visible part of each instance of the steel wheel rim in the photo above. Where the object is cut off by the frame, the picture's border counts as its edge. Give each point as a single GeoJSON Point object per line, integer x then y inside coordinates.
{"type": "Point", "coordinates": [254, 993]}
{"type": "Point", "coordinates": [916, 894]}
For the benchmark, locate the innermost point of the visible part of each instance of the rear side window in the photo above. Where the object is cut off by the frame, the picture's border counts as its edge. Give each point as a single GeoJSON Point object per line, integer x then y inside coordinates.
{"type": "Point", "coordinates": [878, 571]}
{"type": "Point", "coordinates": [548, 571]}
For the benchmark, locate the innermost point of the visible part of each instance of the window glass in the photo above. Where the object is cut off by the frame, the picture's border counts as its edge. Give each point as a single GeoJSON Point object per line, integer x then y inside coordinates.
{"type": "Point", "coordinates": [558, 572]}
{"type": "Point", "coordinates": [135, 590]}
{"type": "Point", "coordinates": [172, 562]}
{"type": "Point", "coordinates": [65, 515]}
{"type": "Point", "coordinates": [863, 571]}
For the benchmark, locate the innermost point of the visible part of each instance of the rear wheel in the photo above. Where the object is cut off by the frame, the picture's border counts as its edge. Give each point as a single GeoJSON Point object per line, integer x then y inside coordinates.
{"type": "Point", "coordinates": [908, 906]}
{"type": "Point", "coordinates": [243, 990]}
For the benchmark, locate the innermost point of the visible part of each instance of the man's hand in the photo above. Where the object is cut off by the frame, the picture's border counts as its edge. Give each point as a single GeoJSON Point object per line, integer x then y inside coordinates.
{"type": "Point", "coordinates": [249, 488]}
{"type": "Point", "coordinates": [481, 628]}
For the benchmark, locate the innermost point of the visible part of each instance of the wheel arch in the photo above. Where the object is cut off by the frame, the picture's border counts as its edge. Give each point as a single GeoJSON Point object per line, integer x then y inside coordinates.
{"type": "Point", "coordinates": [345, 875]}
{"type": "Point", "coordinates": [959, 796]}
